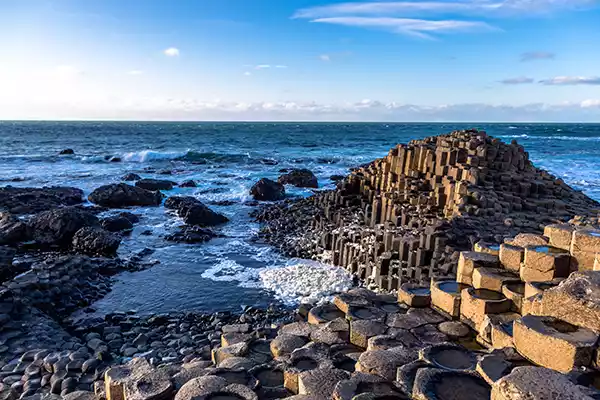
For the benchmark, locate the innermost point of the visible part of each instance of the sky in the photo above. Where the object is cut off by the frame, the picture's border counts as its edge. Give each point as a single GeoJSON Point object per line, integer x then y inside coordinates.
{"type": "Point", "coordinates": [301, 60]}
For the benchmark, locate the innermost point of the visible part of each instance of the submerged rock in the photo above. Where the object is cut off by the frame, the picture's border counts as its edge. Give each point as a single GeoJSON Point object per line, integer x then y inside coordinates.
{"type": "Point", "coordinates": [266, 189]}
{"type": "Point", "coordinates": [155, 184]}
{"type": "Point", "coordinates": [66, 152]}
{"type": "Point", "coordinates": [190, 183]}
{"type": "Point", "coordinates": [58, 226]}
{"type": "Point", "coordinates": [123, 195]}
{"type": "Point", "coordinates": [194, 212]}
{"type": "Point", "coordinates": [300, 178]}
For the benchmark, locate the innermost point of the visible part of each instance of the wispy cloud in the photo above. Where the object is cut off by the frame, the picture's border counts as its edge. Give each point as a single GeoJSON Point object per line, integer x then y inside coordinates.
{"type": "Point", "coordinates": [415, 27]}
{"type": "Point", "coordinates": [247, 73]}
{"type": "Point", "coordinates": [420, 18]}
{"type": "Point", "coordinates": [488, 7]}
{"type": "Point", "coordinates": [537, 55]}
{"type": "Point", "coordinates": [325, 57]}
{"type": "Point", "coordinates": [172, 52]}
{"type": "Point", "coordinates": [521, 80]}
{"type": "Point", "coordinates": [571, 80]}
{"type": "Point", "coordinates": [266, 66]}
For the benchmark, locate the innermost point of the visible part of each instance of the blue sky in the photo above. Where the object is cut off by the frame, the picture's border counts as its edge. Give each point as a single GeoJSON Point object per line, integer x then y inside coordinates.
{"type": "Point", "coordinates": [438, 60]}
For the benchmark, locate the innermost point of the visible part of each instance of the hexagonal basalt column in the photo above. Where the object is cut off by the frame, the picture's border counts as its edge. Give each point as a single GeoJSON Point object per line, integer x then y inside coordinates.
{"type": "Point", "coordinates": [560, 235]}
{"type": "Point", "coordinates": [514, 291]}
{"type": "Point", "coordinates": [361, 383]}
{"type": "Point", "coordinates": [533, 288]}
{"type": "Point", "coordinates": [384, 363]}
{"type": "Point", "coordinates": [434, 384]}
{"type": "Point", "coordinates": [544, 263]}
{"type": "Point", "coordinates": [414, 295]}
{"type": "Point", "coordinates": [445, 297]}
{"type": "Point", "coordinates": [321, 382]}
{"type": "Point", "coordinates": [449, 357]}
{"type": "Point", "coordinates": [492, 278]}
{"type": "Point", "coordinates": [553, 343]}
{"type": "Point", "coordinates": [469, 261]}
{"type": "Point", "coordinates": [584, 246]}
{"type": "Point", "coordinates": [366, 313]}
{"type": "Point", "coordinates": [511, 257]}
{"type": "Point", "coordinates": [344, 301]}
{"type": "Point", "coordinates": [302, 360]}
{"type": "Point", "coordinates": [362, 330]}
{"type": "Point", "coordinates": [284, 344]}
{"type": "Point", "coordinates": [476, 303]}
{"type": "Point", "coordinates": [482, 247]}
{"type": "Point", "coordinates": [324, 313]}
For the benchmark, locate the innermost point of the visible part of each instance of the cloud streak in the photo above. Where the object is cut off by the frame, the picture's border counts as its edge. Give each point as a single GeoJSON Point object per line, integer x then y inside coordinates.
{"type": "Point", "coordinates": [415, 27]}
{"type": "Point", "coordinates": [537, 55]}
{"type": "Point", "coordinates": [571, 80]}
{"type": "Point", "coordinates": [521, 80]}
{"type": "Point", "coordinates": [172, 52]}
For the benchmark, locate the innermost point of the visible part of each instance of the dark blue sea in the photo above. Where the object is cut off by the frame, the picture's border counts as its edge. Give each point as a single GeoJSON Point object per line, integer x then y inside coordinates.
{"type": "Point", "coordinates": [225, 159]}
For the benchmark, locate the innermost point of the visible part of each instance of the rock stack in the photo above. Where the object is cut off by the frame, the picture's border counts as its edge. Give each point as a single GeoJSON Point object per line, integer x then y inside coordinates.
{"type": "Point", "coordinates": [404, 217]}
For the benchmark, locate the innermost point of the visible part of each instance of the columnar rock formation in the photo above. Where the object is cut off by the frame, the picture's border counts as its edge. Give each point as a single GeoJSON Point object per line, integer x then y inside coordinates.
{"type": "Point", "coordinates": [402, 218]}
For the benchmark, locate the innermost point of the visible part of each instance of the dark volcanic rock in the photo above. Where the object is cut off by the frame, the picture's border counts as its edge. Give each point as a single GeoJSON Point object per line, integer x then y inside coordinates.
{"type": "Point", "coordinates": [124, 195]}
{"type": "Point", "coordinates": [7, 270]}
{"type": "Point", "coordinates": [66, 151]}
{"type": "Point", "coordinates": [266, 189]}
{"type": "Point", "coordinates": [58, 226]}
{"type": "Point", "coordinates": [131, 217]}
{"type": "Point", "coordinates": [194, 212]}
{"type": "Point", "coordinates": [131, 177]}
{"type": "Point", "coordinates": [117, 223]}
{"type": "Point", "coordinates": [12, 230]}
{"type": "Point", "coordinates": [33, 200]}
{"type": "Point", "coordinates": [191, 234]}
{"type": "Point", "coordinates": [155, 184]}
{"type": "Point", "coordinates": [96, 242]}
{"type": "Point", "coordinates": [337, 178]}
{"type": "Point", "coordinates": [300, 178]}
{"type": "Point", "coordinates": [189, 183]}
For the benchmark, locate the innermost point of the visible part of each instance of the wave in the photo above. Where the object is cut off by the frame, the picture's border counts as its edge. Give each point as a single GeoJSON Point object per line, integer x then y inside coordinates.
{"type": "Point", "coordinates": [151, 155]}
{"type": "Point", "coordinates": [533, 137]}
{"type": "Point", "coordinates": [188, 155]}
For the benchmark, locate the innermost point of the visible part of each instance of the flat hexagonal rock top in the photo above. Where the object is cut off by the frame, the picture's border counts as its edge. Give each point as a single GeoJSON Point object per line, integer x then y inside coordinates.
{"type": "Point", "coordinates": [438, 384]}
{"type": "Point", "coordinates": [385, 362]}
{"type": "Point", "coordinates": [321, 381]}
{"type": "Point", "coordinates": [361, 383]}
{"type": "Point", "coordinates": [537, 383]}
{"type": "Point", "coordinates": [449, 357]}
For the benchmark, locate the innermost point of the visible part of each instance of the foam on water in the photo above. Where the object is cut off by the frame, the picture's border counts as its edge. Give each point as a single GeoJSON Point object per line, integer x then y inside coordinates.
{"type": "Point", "coordinates": [151, 155]}
{"type": "Point", "coordinates": [230, 271]}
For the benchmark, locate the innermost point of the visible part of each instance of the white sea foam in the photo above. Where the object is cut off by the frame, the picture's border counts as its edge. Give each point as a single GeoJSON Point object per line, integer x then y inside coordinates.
{"type": "Point", "coordinates": [305, 282]}
{"type": "Point", "coordinates": [228, 270]}
{"type": "Point", "coordinates": [151, 155]}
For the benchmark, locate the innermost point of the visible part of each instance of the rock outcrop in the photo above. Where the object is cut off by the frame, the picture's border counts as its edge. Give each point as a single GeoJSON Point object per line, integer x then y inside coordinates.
{"type": "Point", "coordinates": [12, 229]}
{"type": "Point", "coordinates": [57, 227]}
{"type": "Point", "coordinates": [194, 212]}
{"type": "Point", "coordinates": [121, 195]}
{"type": "Point", "coordinates": [267, 190]}
{"type": "Point", "coordinates": [96, 241]}
{"type": "Point", "coordinates": [300, 178]}
{"type": "Point", "coordinates": [155, 184]}
{"type": "Point", "coordinates": [32, 200]}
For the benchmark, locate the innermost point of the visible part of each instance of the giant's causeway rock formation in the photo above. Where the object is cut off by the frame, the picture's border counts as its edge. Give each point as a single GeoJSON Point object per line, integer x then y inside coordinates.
{"type": "Point", "coordinates": [403, 217]}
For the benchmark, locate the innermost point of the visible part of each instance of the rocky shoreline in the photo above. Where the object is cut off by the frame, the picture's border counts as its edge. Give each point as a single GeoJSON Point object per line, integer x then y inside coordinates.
{"type": "Point", "coordinates": [481, 265]}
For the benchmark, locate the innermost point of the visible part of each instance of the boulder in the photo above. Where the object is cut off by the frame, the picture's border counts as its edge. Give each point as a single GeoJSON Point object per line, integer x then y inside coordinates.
{"type": "Point", "coordinates": [300, 178]}
{"type": "Point", "coordinates": [194, 212]}
{"type": "Point", "coordinates": [96, 242]}
{"type": "Point", "coordinates": [191, 235]}
{"type": "Point", "coordinates": [536, 383]}
{"type": "Point", "coordinates": [155, 184]}
{"type": "Point", "coordinates": [131, 177]}
{"type": "Point", "coordinates": [58, 226]}
{"type": "Point", "coordinates": [12, 230]}
{"type": "Point", "coordinates": [267, 190]}
{"type": "Point", "coordinates": [120, 195]}
{"type": "Point", "coordinates": [131, 217]}
{"type": "Point", "coordinates": [66, 152]}
{"type": "Point", "coordinates": [34, 200]}
{"type": "Point", "coordinates": [189, 184]}
{"type": "Point", "coordinates": [117, 223]}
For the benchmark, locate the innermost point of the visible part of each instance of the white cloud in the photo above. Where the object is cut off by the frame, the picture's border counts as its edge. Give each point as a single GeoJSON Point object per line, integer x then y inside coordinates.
{"type": "Point", "coordinates": [572, 80]}
{"type": "Point", "coordinates": [396, 15]}
{"type": "Point", "coordinates": [488, 8]}
{"type": "Point", "coordinates": [325, 57]}
{"type": "Point", "coordinates": [591, 103]}
{"type": "Point", "coordinates": [247, 73]}
{"type": "Point", "coordinates": [262, 66]}
{"type": "Point", "coordinates": [172, 52]}
{"type": "Point", "coordinates": [517, 81]}
{"type": "Point", "coordinates": [416, 27]}
{"type": "Point", "coordinates": [267, 66]}
{"type": "Point", "coordinates": [537, 55]}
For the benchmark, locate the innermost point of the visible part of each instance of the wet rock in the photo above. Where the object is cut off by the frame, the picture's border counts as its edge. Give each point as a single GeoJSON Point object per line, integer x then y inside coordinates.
{"type": "Point", "coordinates": [536, 383]}
{"type": "Point", "coordinates": [12, 230]}
{"type": "Point", "coordinates": [58, 226]}
{"type": "Point", "coordinates": [267, 190]}
{"type": "Point", "coordinates": [34, 200]}
{"type": "Point", "coordinates": [194, 212]}
{"type": "Point", "coordinates": [66, 152]}
{"type": "Point", "coordinates": [131, 177]}
{"type": "Point", "coordinates": [191, 235]}
{"type": "Point", "coordinates": [96, 241]}
{"type": "Point", "coordinates": [188, 184]}
{"type": "Point", "coordinates": [122, 195]}
{"type": "Point", "coordinates": [432, 383]}
{"type": "Point", "coordinates": [155, 184]}
{"type": "Point", "coordinates": [117, 223]}
{"type": "Point", "coordinates": [299, 178]}
{"type": "Point", "coordinates": [337, 178]}
{"type": "Point", "coordinates": [493, 367]}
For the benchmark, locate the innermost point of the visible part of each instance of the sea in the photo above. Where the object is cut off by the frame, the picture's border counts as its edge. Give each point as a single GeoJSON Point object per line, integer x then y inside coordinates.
{"type": "Point", "coordinates": [225, 159]}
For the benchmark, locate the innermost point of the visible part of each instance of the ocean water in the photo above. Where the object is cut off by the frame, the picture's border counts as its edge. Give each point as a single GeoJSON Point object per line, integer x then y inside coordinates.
{"type": "Point", "coordinates": [225, 159]}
